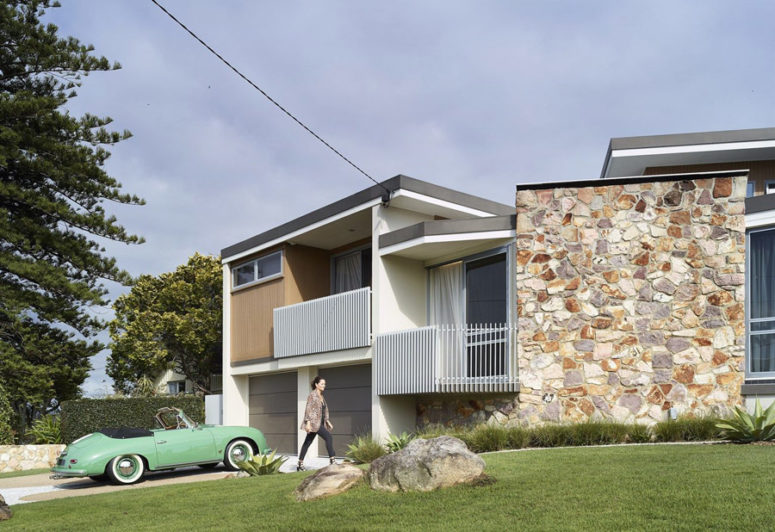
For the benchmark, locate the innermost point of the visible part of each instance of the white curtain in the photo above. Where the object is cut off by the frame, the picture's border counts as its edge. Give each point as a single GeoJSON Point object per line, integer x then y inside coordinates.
{"type": "Point", "coordinates": [447, 294]}
{"type": "Point", "coordinates": [347, 273]}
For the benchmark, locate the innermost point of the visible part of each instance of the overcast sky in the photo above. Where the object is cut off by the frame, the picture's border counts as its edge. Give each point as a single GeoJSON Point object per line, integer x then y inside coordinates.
{"type": "Point", "coordinates": [475, 96]}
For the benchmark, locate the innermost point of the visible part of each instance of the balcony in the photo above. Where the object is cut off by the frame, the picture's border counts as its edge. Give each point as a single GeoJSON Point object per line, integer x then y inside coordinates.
{"type": "Point", "coordinates": [341, 321]}
{"type": "Point", "coordinates": [447, 359]}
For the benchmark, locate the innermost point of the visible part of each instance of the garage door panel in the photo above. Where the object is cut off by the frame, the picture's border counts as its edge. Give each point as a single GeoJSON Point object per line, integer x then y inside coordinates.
{"type": "Point", "coordinates": [348, 395]}
{"type": "Point", "coordinates": [271, 423]}
{"type": "Point", "coordinates": [347, 376]}
{"type": "Point", "coordinates": [348, 399]}
{"type": "Point", "coordinates": [275, 403]}
{"type": "Point", "coordinates": [352, 423]}
{"type": "Point", "coordinates": [272, 408]}
{"type": "Point", "coordinates": [281, 382]}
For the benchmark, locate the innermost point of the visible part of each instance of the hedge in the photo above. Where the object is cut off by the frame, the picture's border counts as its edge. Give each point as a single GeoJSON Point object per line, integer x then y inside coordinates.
{"type": "Point", "coordinates": [83, 416]}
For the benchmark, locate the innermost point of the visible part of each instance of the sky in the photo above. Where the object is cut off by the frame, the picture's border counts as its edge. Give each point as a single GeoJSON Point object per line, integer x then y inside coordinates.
{"type": "Point", "coordinates": [474, 96]}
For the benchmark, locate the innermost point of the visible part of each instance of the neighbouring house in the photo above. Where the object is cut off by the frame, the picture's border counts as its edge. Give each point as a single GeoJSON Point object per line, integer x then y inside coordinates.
{"type": "Point", "coordinates": [173, 383]}
{"type": "Point", "coordinates": [622, 298]}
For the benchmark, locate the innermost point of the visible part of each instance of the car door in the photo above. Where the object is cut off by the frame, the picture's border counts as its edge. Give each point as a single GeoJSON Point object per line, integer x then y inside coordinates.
{"type": "Point", "coordinates": [184, 446]}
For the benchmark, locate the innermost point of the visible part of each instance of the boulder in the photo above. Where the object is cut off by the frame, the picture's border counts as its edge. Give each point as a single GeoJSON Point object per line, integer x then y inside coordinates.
{"type": "Point", "coordinates": [425, 465]}
{"type": "Point", "coordinates": [330, 480]}
{"type": "Point", "coordinates": [5, 510]}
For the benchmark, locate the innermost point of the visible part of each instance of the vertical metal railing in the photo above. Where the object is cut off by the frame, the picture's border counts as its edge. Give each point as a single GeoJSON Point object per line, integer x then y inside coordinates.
{"type": "Point", "coordinates": [341, 321]}
{"type": "Point", "coordinates": [447, 358]}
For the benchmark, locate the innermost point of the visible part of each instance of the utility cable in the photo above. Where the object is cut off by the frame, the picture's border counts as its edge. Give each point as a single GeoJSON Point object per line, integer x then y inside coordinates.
{"type": "Point", "coordinates": [259, 89]}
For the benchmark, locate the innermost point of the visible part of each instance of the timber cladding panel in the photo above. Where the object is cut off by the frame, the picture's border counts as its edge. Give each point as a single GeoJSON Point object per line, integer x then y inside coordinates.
{"type": "Point", "coordinates": [631, 299]}
{"type": "Point", "coordinates": [272, 410]}
{"type": "Point", "coordinates": [252, 321]}
{"type": "Point", "coordinates": [308, 273]}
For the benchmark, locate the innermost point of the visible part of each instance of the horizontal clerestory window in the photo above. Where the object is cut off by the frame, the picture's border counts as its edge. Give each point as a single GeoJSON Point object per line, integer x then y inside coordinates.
{"type": "Point", "coordinates": [260, 269]}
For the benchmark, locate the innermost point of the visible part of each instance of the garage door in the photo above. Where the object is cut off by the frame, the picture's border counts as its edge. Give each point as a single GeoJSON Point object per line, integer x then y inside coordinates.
{"type": "Point", "coordinates": [273, 410]}
{"type": "Point", "coordinates": [348, 394]}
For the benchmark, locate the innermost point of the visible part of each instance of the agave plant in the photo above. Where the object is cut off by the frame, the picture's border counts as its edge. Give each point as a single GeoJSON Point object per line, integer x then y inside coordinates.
{"type": "Point", "coordinates": [398, 442]}
{"type": "Point", "coordinates": [745, 428]}
{"type": "Point", "coordinates": [262, 464]}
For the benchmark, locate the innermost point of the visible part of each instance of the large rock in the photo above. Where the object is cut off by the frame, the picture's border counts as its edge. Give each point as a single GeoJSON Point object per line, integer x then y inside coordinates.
{"type": "Point", "coordinates": [5, 510]}
{"type": "Point", "coordinates": [330, 480]}
{"type": "Point", "coordinates": [425, 465]}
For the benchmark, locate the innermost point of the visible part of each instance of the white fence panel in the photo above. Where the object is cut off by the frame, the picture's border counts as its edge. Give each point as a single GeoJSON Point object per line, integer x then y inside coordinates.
{"type": "Point", "coordinates": [341, 321]}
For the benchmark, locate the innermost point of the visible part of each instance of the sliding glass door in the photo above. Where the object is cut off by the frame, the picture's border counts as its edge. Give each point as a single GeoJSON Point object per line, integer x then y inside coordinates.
{"type": "Point", "coordinates": [761, 303]}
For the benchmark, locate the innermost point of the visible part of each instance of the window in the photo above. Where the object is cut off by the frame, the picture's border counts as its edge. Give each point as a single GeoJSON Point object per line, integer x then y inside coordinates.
{"type": "Point", "coordinates": [351, 271]}
{"type": "Point", "coordinates": [259, 269]}
{"type": "Point", "coordinates": [760, 299]}
{"type": "Point", "coordinates": [471, 297]}
{"type": "Point", "coordinates": [750, 189]}
{"type": "Point", "coordinates": [176, 387]}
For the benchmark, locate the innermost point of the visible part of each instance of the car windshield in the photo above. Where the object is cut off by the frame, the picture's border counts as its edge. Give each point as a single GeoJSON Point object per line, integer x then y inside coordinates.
{"type": "Point", "coordinates": [187, 420]}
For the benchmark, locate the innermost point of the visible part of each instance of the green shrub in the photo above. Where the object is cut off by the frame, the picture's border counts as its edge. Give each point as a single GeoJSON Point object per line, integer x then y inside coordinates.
{"type": "Point", "coordinates": [365, 449]}
{"type": "Point", "coordinates": [83, 416]}
{"type": "Point", "coordinates": [6, 417]}
{"type": "Point", "coordinates": [486, 438]}
{"type": "Point", "coordinates": [517, 438]}
{"type": "Point", "coordinates": [398, 442]}
{"type": "Point", "coordinates": [46, 430]}
{"type": "Point", "coordinates": [687, 429]}
{"type": "Point", "coordinates": [262, 464]}
{"type": "Point", "coordinates": [596, 433]}
{"type": "Point", "coordinates": [747, 428]}
{"type": "Point", "coordinates": [637, 433]}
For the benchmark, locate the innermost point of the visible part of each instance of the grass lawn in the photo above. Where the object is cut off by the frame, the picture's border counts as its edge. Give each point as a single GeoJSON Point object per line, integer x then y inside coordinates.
{"type": "Point", "coordinates": [11, 474]}
{"type": "Point", "coordinates": [669, 487]}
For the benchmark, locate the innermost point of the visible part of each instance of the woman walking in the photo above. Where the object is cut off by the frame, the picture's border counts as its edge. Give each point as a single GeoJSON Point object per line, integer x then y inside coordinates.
{"type": "Point", "coordinates": [316, 422]}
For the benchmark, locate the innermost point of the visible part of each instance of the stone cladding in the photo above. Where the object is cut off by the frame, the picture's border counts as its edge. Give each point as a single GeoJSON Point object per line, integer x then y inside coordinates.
{"type": "Point", "coordinates": [24, 457]}
{"type": "Point", "coordinates": [630, 300]}
{"type": "Point", "coordinates": [466, 410]}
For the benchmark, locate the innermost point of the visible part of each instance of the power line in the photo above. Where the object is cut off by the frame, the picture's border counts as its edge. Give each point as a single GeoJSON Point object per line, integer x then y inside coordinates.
{"type": "Point", "coordinates": [259, 89]}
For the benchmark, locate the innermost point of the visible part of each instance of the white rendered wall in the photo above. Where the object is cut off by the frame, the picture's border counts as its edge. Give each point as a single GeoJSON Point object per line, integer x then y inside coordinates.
{"type": "Point", "coordinates": [236, 388]}
{"type": "Point", "coordinates": [765, 400]}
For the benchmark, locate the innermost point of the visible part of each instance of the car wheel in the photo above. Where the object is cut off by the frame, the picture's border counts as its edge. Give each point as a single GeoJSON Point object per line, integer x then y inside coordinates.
{"type": "Point", "coordinates": [209, 466]}
{"type": "Point", "coordinates": [236, 452]}
{"type": "Point", "coordinates": [126, 469]}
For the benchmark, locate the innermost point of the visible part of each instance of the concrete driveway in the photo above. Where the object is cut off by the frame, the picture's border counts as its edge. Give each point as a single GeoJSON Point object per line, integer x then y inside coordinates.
{"type": "Point", "coordinates": [33, 488]}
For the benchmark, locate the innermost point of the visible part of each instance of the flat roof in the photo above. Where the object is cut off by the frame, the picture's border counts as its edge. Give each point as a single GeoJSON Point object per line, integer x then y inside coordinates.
{"type": "Point", "coordinates": [375, 192]}
{"type": "Point", "coordinates": [629, 180]}
{"type": "Point", "coordinates": [447, 227]}
{"type": "Point", "coordinates": [632, 155]}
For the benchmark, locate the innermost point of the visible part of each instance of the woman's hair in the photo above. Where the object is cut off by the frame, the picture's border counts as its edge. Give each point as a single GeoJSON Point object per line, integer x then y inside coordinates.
{"type": "Point", "coordinates": [316, 380]}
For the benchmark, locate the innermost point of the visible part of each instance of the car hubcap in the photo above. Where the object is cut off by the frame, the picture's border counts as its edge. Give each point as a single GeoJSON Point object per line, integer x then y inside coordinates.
{"type": "Point", "coordinates": [238, 453]}
{"type": "Point", "coordinates": [127, 467]}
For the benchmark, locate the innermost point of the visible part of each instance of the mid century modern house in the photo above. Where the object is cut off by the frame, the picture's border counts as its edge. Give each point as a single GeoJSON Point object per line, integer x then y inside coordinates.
{"type": "Point", "coordinates": [624, 297]}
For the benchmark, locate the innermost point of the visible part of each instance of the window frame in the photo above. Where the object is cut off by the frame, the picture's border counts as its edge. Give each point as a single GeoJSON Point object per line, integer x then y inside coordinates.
{"type": "Point", "coordinates": [750, 375]}
{"type": "Point", "coordinates": [256, 280]}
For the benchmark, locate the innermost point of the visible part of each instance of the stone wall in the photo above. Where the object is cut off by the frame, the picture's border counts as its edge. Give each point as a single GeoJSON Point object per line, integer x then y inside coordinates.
{"type": "Point", "coordinates": [24, 457]}
{"type": "Point", "coordinates": [630, 299]}
{"type": "Point", "coordinates": [466, 410]}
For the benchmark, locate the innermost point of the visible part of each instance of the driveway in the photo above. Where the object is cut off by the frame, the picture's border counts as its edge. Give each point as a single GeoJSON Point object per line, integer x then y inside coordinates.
{"type": "Point", "coordinates": [33, 488]}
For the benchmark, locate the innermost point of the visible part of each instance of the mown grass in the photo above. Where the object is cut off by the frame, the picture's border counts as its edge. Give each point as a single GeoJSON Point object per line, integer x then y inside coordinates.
{"type": "Point", "coordinates": [11, 474]}
{"type": "Point", "coordinates": [665, 487]}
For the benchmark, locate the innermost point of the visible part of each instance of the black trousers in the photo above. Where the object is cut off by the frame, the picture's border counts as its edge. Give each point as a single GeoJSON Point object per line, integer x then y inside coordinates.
{"type": "Point", "coordinates": [323, 433]}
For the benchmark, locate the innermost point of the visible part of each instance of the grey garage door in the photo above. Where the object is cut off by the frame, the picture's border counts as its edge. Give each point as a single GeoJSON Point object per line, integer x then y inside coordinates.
{"type": "Point", "coordinates": [273, 409]}
{"type": "Point", "coordinates": [348, 395]}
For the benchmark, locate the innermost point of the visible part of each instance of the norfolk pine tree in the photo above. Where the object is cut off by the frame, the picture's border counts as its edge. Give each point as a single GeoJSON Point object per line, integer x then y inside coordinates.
{"type": "Point", "coordinates": [52, 190]}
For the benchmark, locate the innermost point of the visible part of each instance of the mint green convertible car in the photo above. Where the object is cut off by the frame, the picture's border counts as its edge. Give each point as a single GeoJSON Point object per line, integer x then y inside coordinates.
{"type": "Point", "coordinates": [124, 454]}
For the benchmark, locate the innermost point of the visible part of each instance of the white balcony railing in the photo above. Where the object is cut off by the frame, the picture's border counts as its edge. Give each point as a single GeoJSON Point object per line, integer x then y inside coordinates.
{"type": "Point", "coordinates": [341, 321]}
{"type": "Point", "coordinates": [447, 359]}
